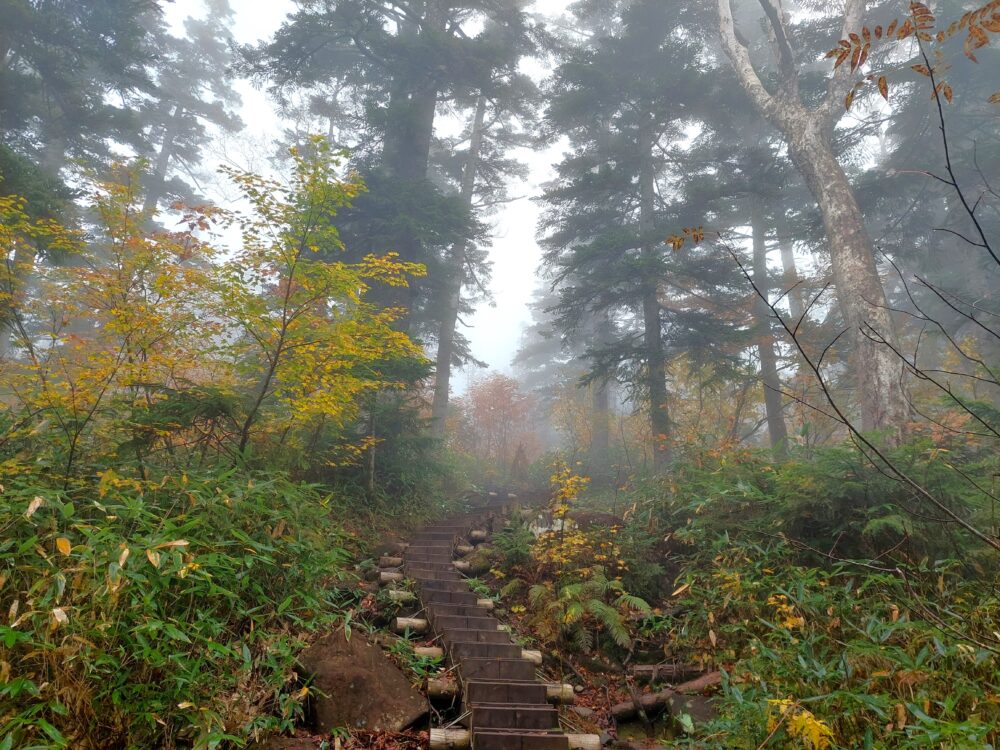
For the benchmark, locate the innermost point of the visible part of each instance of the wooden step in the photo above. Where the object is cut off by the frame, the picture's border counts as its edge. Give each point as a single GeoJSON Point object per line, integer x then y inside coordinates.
{"type": "Point", "coordinates": [513, 716]}
{"type": "Point", "coordinates": [492, 739]}
{"type": "Point", "coordinates": [521, 670]}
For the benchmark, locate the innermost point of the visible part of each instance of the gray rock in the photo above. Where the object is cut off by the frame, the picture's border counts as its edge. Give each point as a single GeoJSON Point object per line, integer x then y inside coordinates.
{"type": "Point", "coordinates": [354, 685]}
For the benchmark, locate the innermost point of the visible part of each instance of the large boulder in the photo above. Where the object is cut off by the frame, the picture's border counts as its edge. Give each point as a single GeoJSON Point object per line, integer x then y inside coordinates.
{"type": "Point", "coordinates": [354, 685]}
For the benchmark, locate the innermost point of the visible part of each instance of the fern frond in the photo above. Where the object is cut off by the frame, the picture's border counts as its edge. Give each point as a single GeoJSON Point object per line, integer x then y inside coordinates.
{"type": "Point", "coordinates": [511, 587]}
{"type": "Point", "coordinates": [538, 593]}
{"type": "Point", "coordinates": [611, 619]}
{"type": "Point", "coordinates": [636, 603]}
{"type": "Point", "coordinates": [574, 613]}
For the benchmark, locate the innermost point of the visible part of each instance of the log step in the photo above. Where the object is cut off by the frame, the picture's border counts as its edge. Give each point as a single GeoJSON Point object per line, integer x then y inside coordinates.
{"type": "Point", "coordinates": [521, 670]}
{"type": "Point", "coordinates": [445, 623]}
{"type": "Point", "coordinates": [496, 740]}
{"type": "Point", "coordinates": [475, 636]}
{"type": "Point", "coordinates": [508, 716]}
{"type": "Point", "coordinates": [470, 649]}
{"type": "Point", "coordinates": [440, 596]}
{"type": "Point", "coordinates": [490, 691]}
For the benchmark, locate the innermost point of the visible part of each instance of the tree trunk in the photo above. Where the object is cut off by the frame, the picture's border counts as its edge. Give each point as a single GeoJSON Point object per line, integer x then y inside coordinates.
{"type": "Point", "coordinates": [600, 407]}
{"type": "Point", "coordinates": [453, 298]}
{"type": "Point", "coordinates": [13, 291]}
{"type": "Point", "coordinates": [776, 429]}
{"type": "Point", "coordinates": [882, 396]}
{"type": "Point", "coordinates": [656, 385]}
{"type": "Point", "coordinates": [158, 175]}
{"type": "Point", "coordinates": [406, 152]}
{"type": "Point", "coordinates": [790, 274]}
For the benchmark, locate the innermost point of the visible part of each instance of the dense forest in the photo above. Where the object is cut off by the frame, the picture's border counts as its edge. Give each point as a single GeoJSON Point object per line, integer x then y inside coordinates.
{"type": "Point", "coordinates": [748, 447]}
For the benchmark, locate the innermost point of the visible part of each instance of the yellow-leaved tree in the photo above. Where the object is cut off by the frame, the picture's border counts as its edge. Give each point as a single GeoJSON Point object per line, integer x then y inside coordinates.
{"type": "Point", "coordinates": [155, 349]}
{"type": "Point", "coordinates": [309, 344]}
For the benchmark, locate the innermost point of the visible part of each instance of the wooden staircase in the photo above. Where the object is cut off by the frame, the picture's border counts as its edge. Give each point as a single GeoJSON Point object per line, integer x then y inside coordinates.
{"type": "Point", "coordinates": [506, 707]}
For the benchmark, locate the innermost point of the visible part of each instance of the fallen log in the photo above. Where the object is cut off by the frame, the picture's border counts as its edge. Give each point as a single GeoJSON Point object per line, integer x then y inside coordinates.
{"type": "Point", "coordinates": [460, 739]}
{"type": "Point", "coordinates": [665, 672]}
{"type": "Point", "coordinates": [652, 702]}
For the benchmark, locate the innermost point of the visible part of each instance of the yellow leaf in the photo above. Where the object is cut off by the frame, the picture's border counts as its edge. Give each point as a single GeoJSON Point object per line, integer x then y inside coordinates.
{"type": "Point", "coordinates": [154, 557]}
{"type": "Point", "coordinates": [712, 637]}
{"type": "Point", "coordinates": [63, 545]}
{"type": "Point", "coordinates": [123, 557]}
{"type": "Point", "coordinates": [681, 589]}
{"type": "Point", "coordinates": [36, 503]}
{"type": "Point", "coordinates": [171, 545]}
{"type": "Point", "coordinates": [59, 617]}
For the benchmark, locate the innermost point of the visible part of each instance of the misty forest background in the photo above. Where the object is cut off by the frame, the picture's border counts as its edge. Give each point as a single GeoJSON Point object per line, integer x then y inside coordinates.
{"type": "Point", "coordinates": [765, 344]}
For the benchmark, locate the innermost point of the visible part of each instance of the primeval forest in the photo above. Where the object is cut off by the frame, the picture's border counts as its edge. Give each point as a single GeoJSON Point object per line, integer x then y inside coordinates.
{"type": "Point", "coordinates": [499, 374]}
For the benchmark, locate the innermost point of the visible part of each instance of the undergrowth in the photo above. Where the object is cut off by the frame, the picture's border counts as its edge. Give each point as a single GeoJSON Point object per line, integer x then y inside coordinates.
{"type": "Point", "coordinates": [140, 614]}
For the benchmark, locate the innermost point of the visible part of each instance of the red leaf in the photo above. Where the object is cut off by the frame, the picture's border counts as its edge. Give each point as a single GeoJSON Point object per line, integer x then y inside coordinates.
{"type": "Point", "coordinates": [883, 87]}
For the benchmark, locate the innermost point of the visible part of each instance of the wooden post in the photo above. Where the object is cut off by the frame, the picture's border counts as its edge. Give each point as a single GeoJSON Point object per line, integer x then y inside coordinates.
{"type": "Point", "coordinates": [400, 596]}
{"type": "Point", "coordinates": [535, 657]}
{"type": "Point", "coordinates": [412, 624]}
{"type": "Point", "coordinates": [561, 693]}
{"type": "Point", "coordinates": [485, 603]}
{"type": "Point", "coordinates": [450, 739]}
{"type": "Point", "coordinates": [584, 741]}
{"type": "Point", "coordinates": [390, 576]}
{"type": "Point", "coordinates": [431, 652]}
{"type": "Point", "coordinates": [441, 688]}
{"type": "Point", "coordinates": [464, 549]}
{"type": "Point", "coordinates": [478, 535]}
{"type": "Point", "coordinates": [389, 562]}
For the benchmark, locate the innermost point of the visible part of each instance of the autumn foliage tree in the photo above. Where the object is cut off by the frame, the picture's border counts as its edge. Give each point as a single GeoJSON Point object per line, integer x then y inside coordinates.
{"type": "Point", "coordinates": [149, 347]}
{"type": "Point", "coordinates": [493, 423]}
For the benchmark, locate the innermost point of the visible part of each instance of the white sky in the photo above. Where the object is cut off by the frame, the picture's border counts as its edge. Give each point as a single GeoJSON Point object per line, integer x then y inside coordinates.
{"type": "Point", "coordinates": [495, 331]}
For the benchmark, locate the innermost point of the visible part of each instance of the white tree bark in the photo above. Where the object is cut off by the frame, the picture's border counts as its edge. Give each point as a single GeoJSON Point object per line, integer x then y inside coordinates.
{"type": "Point", "coordinates": [879, 373]}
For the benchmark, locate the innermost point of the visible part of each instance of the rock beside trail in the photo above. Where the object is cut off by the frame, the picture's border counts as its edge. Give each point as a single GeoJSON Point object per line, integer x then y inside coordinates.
{"type": "Point", "coordinates": [354, 685]}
